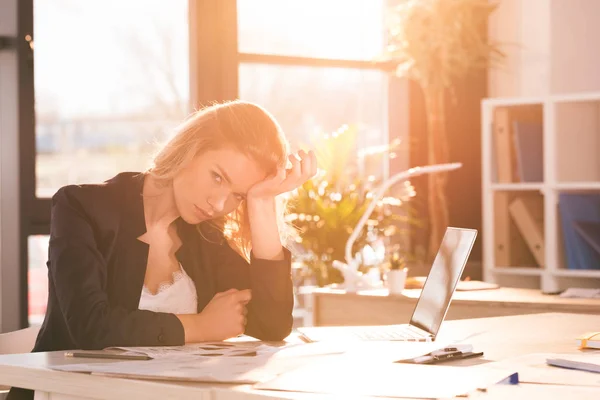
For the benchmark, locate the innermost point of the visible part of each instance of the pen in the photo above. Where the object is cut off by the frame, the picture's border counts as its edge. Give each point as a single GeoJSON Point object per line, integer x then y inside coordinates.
{"type": "Point", "coordinates": [446, 356]}
{"type": "Point", "coordinates": [112, 356]}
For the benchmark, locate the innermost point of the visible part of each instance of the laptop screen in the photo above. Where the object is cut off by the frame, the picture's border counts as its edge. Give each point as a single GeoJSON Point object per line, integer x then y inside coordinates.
{"type": "Point", "coordinates": [445, 273]}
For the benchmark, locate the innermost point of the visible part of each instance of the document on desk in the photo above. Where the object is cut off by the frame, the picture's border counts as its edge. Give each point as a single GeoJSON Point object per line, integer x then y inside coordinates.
{"type": "Point", "coordinates": [200, 363]}
{"type": "Point", "coordinates": [350, 379]}
{"type": "Point", "coordinates": [207, 349]}
{"type": "Point", "coordinates": [237, 349]}
{"type": "Point", "coordinates": [533, 368]}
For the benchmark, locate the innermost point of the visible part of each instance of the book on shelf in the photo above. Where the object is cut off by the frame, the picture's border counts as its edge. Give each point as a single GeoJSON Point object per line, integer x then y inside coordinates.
{"type": "Point", "coordinates": [528, 139]}
{"type": "Point", "coordinates": [527, 213]}
{"type": "Point", "coordinates": [517, 135]}
{"type": "Point", "coordinates": [577, 211]}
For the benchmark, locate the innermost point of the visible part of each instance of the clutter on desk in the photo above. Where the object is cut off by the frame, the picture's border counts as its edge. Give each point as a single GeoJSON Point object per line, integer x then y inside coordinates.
{"type": "Point", "coordinates": [590, 340]}
{"type": "Point", "coordinates": [345, 379]}
{"type": "Point", "coordinates": [534, 368]}
{"type": "Point", "coordinates": [445, 354]}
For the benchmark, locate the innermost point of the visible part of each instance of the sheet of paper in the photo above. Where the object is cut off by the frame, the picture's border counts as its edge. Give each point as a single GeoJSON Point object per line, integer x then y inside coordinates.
{"type": "Point", "coordinates": [208, 349]}
{"type": "Point", "coordinates": [532, 368]}
{"type": "Point", "coordinates": [392, 351]}
{"type": "Point", "coordinates": [346, 379]}
{"type": "Point", "coordinates": [198, 369]}
{"type": "Point", "coordinates": [213, 362]}
{"type": "Point", "coordinates": [237, 349]}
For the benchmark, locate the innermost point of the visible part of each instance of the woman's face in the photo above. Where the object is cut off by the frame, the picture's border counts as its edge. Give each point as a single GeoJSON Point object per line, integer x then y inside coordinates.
{"type": "Point", "coordinates": [214, 184]}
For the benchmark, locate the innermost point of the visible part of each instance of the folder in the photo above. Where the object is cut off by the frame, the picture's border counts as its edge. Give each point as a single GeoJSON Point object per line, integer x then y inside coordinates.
{"type": "Point", "coordinates": [528, 140]}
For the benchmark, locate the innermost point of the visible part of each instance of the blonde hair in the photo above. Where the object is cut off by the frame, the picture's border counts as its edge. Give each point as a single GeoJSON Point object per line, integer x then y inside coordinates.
{"type": "Point", "coordinates": [244, 126]}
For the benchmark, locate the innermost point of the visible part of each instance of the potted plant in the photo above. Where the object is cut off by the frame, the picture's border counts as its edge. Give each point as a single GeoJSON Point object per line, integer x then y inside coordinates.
{"type": "Point", "coordinates": [436, 43]}
{"type": "Point", "coordinates": [326, 209]}
{"type": "Point", "coordinates": [397, 274]}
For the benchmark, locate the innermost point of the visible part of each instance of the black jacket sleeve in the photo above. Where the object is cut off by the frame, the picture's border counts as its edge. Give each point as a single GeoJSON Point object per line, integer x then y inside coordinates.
{"type": "Point", "coordinates": [79, 275]}
{"type": "Point", "coordinates": [270, 310]}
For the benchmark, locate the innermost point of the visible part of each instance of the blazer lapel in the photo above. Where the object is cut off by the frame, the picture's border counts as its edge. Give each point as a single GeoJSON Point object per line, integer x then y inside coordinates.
{"type": "Point", "coordinates": [133, 252]}
{"type": "Point", "coordinates": [195, 260]}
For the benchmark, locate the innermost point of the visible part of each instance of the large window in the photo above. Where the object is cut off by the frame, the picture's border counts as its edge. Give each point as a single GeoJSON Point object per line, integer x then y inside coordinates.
{"type": "Point", "coordinates": [331, 29]}
{"type": "Point", "coordinates": [310, 63]}
{"type": "Point", "coordinates": [113, 77]}
{"type": "Point", "coordinates": [111, 80]}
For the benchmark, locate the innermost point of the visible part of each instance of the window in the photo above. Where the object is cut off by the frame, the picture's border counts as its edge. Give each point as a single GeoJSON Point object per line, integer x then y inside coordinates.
{"type": "Point", "coordinates": [310, 63]}
{"type": "Point", "coordinates": [111, 79]}
{"type": "Point", "coordinates": [37, 278]}
{"type": "Point", "coordinates": [311, 101]}
{"type": "Point", "coordinates": [338, 29]}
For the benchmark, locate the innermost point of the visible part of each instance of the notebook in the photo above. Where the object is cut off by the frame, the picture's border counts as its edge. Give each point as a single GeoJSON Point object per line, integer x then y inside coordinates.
{"type": "Point", "coordinates": [583, 362]}
{"type": "Point", "coordinates": [590, 340]}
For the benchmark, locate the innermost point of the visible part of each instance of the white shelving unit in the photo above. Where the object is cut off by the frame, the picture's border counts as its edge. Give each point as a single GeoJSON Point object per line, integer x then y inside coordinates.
{"type": "Point", "coordinates": [571, 163]}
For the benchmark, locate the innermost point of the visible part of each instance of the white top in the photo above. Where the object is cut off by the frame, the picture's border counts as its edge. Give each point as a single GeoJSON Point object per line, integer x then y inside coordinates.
{"type": "Point", "coordinates": [176, 297]}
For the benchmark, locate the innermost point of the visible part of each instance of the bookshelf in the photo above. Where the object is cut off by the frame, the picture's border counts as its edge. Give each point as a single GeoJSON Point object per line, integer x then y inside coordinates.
{"type": "Point", "coordinates": [526, 247]}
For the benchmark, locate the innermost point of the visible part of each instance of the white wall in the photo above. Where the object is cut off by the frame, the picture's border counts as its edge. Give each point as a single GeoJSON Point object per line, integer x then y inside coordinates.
{"type": "Point", "coordinates": [550, 45]}
{"type": "Point", "coordinates": [575, 38]}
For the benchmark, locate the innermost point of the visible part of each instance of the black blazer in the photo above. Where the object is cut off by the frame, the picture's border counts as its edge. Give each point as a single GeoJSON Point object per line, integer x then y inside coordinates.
{"type": "Point", "coordinates": [96, 270]}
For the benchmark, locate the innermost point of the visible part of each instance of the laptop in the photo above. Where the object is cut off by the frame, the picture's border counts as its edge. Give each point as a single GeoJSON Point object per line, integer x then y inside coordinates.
{"type": "Point", "coordinates": [433, 303]}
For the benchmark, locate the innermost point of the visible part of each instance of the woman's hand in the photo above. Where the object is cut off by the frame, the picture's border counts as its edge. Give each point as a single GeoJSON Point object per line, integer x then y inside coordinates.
{"type": "Point", "coordinates": [304, 167]}
{"type": "Point", "coordinates": [223, 317]}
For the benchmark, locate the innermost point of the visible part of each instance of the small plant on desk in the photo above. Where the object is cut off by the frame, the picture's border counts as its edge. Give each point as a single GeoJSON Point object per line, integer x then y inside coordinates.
{"type": "Point", "coordinates": [396, 276]}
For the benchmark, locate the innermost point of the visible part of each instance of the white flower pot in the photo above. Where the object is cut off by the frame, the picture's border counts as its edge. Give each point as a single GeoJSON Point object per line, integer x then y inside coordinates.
{"type": "Point", "coordinates": [396, 280]}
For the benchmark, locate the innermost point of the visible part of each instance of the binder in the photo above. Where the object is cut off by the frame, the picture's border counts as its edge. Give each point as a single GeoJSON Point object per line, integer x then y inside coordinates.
{"type": "Point", "coordinates": [529, 150]}
{"type": "Point", "coordinates": [510, 250]}
{"type": "Point", "coordinates": [503, 132]}
{"type": "Point", "coordinates": [504, 146]}
{"type": "Point", "coordinates": [577, 208]}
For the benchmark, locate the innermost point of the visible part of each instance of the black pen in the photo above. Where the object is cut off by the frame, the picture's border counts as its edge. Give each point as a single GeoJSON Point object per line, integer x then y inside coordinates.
{"type": "Point", "coordinates": [106, 355]}
{"type": "Point", "coordinates": [446, 356]}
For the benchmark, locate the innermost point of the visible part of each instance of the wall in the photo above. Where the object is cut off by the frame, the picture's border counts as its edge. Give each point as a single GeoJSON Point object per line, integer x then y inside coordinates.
{"type": "Point", "coordinates": [548, 45]}
{"type": "Point", "coordinates": [575, 58]}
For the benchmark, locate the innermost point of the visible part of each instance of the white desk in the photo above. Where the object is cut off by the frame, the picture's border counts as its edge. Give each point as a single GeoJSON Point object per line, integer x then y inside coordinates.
{"type": "Point", "coordinates": [498, 337]}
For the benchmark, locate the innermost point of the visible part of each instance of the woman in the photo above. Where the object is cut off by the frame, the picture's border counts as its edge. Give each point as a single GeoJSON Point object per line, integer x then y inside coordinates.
{"type": "Point", "coordinates": [189, 251]}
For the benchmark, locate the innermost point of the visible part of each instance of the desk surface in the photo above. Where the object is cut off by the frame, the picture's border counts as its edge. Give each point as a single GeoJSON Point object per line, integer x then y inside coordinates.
{"type": "Point", "coordinates": [499, 337]}
{"type": "Point", "coordinates": [511, 296]}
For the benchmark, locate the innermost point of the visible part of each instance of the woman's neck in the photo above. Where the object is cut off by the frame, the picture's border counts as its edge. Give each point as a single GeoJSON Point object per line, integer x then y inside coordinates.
{"type": "Point", "coordinates": [159, 204]}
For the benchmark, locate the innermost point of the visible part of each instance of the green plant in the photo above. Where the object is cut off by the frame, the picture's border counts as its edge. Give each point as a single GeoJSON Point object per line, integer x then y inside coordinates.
{"type": "Point", "coordinates": [436, 43]}
{"type": "Point", "coordinates": [327, 208]}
